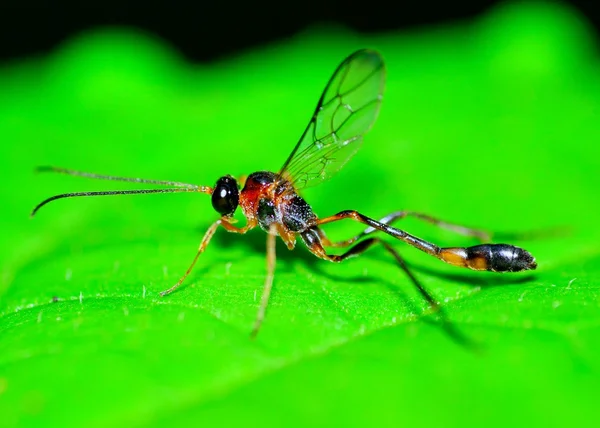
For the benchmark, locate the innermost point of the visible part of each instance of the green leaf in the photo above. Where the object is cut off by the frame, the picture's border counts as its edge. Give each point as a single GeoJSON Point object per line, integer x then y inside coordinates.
{"type": "Point", "coordinates": [492, 125]}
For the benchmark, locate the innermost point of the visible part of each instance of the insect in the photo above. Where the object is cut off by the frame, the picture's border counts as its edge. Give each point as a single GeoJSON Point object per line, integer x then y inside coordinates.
{"type": "Point", "coordinates": [345, 112]}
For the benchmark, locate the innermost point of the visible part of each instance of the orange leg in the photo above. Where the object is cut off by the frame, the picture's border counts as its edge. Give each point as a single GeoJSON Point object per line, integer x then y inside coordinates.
{"type": "Point", "coordinates": [231, 228]}
{"type": "Point", "coordinates": [205, 240]}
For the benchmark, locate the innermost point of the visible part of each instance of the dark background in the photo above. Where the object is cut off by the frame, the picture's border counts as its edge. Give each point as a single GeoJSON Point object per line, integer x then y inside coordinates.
{"type": "Point", "coordinates": [204, 30]}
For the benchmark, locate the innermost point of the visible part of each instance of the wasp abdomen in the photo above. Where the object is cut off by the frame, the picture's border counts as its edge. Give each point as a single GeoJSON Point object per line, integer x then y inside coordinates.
{"type": "Point", "coordinates": [491, 257]}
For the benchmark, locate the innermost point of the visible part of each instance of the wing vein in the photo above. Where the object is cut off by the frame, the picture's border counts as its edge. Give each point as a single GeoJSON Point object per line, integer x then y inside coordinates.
{"type": "Point", "coordinates": [346, 110]}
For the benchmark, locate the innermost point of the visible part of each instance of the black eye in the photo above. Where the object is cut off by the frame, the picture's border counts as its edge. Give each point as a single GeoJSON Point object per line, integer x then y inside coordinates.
{"type": "Point", "coordinates": [225, 197]}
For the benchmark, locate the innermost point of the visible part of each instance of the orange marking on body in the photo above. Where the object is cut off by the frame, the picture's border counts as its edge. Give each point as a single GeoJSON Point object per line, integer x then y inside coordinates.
{"type": "Point", "coordinates": [454, 256]}
{"type": "Point", "coordinates": [477, 263]}
{"type": "Point", "coordinates": [250, 195]}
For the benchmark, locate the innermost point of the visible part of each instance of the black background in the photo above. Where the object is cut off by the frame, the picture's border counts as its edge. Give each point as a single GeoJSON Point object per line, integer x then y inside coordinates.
{"type": "Point", "coordinates": [204, 30]}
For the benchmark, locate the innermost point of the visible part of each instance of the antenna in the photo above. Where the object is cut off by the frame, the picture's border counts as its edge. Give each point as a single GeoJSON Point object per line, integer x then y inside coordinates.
{"type": "Point", "coordinates": [179, 187]}
{"type": "Point", "coordinates": [111, 177]}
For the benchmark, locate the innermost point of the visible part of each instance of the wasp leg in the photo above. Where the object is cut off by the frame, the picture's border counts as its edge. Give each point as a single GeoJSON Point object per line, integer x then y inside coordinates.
{"type": "Point", "coordinates": [229, 227]}
{"type": "Point", "coordinates": [311, 238]}
{"type": "Point", "coordinates": [264, 300]}
{"type": "Point", "coordinates": [205, 240]}
{"type": "Point", "coordinates": [490, 257]}
{"type": "Point", "coordinates": [480, 234]}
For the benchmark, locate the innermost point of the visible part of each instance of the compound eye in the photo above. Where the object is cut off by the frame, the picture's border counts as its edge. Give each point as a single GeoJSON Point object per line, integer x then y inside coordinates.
{"type": "Point", "coordinates": [225, 197]}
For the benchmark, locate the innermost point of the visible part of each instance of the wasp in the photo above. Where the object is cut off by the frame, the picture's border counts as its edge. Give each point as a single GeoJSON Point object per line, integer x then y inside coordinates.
{"type": "Point", "coordinates": [346, 111]}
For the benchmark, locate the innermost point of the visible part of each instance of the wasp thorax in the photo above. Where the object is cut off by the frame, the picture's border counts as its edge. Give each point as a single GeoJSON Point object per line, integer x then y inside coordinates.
{"type": "Point", "coordinates": [225, 197]}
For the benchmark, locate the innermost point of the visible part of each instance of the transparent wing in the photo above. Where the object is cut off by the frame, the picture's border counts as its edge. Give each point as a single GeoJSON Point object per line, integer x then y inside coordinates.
{"type": "Point", "coordinates": [346, 111]}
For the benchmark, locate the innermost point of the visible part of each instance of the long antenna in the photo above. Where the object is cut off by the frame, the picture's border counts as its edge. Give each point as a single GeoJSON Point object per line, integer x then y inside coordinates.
{"type": "Point", "coordinates": [113, 178]}
{"type": "Point", "coordinates": [201, 189]}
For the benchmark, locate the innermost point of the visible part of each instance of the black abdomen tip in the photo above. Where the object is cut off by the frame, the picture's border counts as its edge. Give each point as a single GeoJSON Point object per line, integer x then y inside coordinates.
{"type": "Point", "coordinates": [502, 257]}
